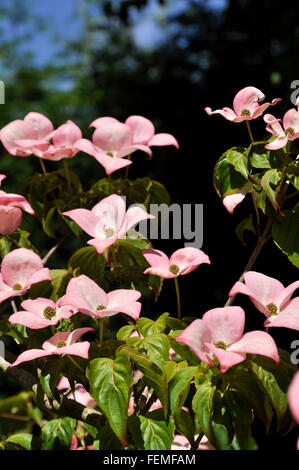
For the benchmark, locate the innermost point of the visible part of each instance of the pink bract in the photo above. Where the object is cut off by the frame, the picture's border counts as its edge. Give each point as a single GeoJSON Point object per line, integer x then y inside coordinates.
{"type": "Point", "coordinates": [142, 131]}
{"type": "Point", "coordinates": [29, 136]}
{"type": "Point", "coordinates": [289, 130]}
{"type": "Point", "coordinates": [61, 343]}
{"type": "Point", "coordinates": [10, 210]}
{"type": "Point", "coordinates": [245, 106]}
{"type": "Point", "coordinates": [64, 139]}
{"type": "Point", "coordinates": [220, 333]}
{"type": "Point", "coordinates": [19, 270]}
{"type": "Point", "coordinates": [110, 143]}
{"type": "Point", "coordinates": [107, 221]}
{"type": "Point", "coordinates": [293, 397]}
{"type": "Point", "coordinates": [41, 312]}
{"type": "Point", "coordinates": [182, 261]}
{"type": "Point", "coordinates": [88, 298]}
{"type": "Point", "coordinates": [271, 298]}
{"type": "Point", "coordinates": [80, 394]}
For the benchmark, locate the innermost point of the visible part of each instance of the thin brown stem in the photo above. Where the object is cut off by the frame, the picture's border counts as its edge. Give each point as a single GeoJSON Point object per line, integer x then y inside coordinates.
{"type": "Point", "coordinates": [43, 166]}
{"type": "Point", "coordinates": [51, 251]}
{"type": "Point", "coordinates": [127, 168]}
{"type": "Point", "coordinates": [249, 131]}
{"type": "Point", "coordinates": [262, 239]}
{"type": "Point", "coordinates": [67, 175]}
{"type": "Point", "coordinates": [176, 283]}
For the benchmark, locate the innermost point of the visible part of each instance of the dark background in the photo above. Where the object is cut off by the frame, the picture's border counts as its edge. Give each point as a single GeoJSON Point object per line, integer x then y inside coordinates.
{"type": "Point", "coordinates": [209, 51]}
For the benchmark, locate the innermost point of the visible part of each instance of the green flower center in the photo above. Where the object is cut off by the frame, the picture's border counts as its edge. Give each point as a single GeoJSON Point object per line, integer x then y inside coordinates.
{"type": "Point", "coordinates": [221, 345]}
{"type": "Point", "coordinates": [17, 287]}
{"type": "Point", "coordinates": [61, 344]}
{"type": "Point", "coordinates": [109, 232]}
{"type": "Point", "coordinates": [272, 308]}
{"type": "Point", "coordinates": [245, 112]}
{"type": "Point", "coordinates": [290, 130]}
{"type": "Point", "coordinates": [49, 313]}
{"type": "Point", "coordinates": [174, 269]}
{"type": "Point", "coordinates": [100, 307]}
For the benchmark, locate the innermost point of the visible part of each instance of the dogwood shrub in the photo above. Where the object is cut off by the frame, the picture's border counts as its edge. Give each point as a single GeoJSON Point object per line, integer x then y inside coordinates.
{"type": "Point", "coordinates": [172, 382]}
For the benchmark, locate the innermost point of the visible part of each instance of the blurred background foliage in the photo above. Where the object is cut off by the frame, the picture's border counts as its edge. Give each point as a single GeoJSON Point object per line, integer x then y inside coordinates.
{"type": "Point", "coordinates": [166, 60]}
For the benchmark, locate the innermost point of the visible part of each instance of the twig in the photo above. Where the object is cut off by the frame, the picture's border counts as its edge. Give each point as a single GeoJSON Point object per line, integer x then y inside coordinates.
{"type": "Point", "coordinates": [51, 251]}
{"type": "Point", "coordinates": [60, 405]}
{"type": "Point", "coordinates": [258, 248]}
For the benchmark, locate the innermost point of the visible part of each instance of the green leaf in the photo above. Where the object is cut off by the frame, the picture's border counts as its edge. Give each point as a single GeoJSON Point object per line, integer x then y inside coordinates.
{"type": "Point", "coordinates": [87, 261]}
{"type": "Point", "coordinates": [157, 347]}
{"type": "Point", "coordinates": [184, 425]}
{"type": "Point", "coordinates": [108, 440]}
{"type": "Point", "coordinates": [60, 280]}
{"type": "Point", "coordinates": [149, 327]}
{"type": "Point", "coordinates": [274, 380]}
{"type": "Point", "coordinates": [246, 224]}
{"type": "Point", "coordinates": [238, 159]}
{"type": "Point", "coordinates": [156, 433]}
{"type": "Point", "coordinates": [269, 183]}
{"type": "Point", "coordinates": [5, 246]}
{"type": "Point", "coordinates": [26, 441]}
{"type": "Point", "coordinates": [242, 416]}
{"type": "Point", "coordinates": [125, 332]}
{"type": "Point", "coordinates": [111, 382]}
{"type": "Point", "coordinates": [57, 433]}
{"type": "Point", "coordinates": [202, 405]}
{"type": "Point", "coordinates": [246, 385]}
{"type": "Point", "coordinates": [226, 179]}
{"type": "Point", "coordinates": [285, 234]}
{"type": "Point", "coordinates": [179, 388]}
{"type": "Point", "coordinates": [154, 376]}
{"type": "Point", "coordinates": [259, 156]}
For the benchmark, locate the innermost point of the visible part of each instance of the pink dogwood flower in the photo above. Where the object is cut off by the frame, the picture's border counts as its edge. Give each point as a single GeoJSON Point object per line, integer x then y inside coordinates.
{"type": "Point", "coordinates": [107, 221]}
{"type": "Point", "coordinates": [64, 139]}
{"type": "Point", "coordinates": [19, 270]}
{"type": "Point", "coordinates": [220, 333]}
{"type": "Point", "coordinates": [88, 298]}
{"type": "Point", "coordinates": [182, 261]}
{"type": "Point", "coordinates": [61, 343]}
{"type": "Point", "coordinates": [111, 141]}
{"type": "Point", "coordinates": [10, 210]}
{"type": "Point", "coordinates": [143, 131]}
{"type": "Point", "coordinates": [79, 393]}
{"type": "Point", "coordinates": [29, 136]}
{"type": "Point", "coordinates": [245, 106]}
{"type": "Point", "coordinates": [293, 397]}
{"type": "Point", "coordinates": [40, 313]}
{"type": "Point", "coordinates": [289, 130]}
{"type": "Point", "coordinates": [271, 298]}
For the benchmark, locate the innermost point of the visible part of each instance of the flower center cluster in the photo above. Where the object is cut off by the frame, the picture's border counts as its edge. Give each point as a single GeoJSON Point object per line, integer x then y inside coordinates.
{"type": "Point", "coordinates": [221, 345]}
{"type": "Point", "coordinates": [17, 287]}
{"type": "Point", "coordinates": [100, 307]}
{"type": "Point", "coordinates": [290, 130]}
{"type": "Point", "coordinates": [49, 313]}
{"type": "Point", "coordinates": [110, 154]}
{"type": "Point", "coordinates": [245, 112]}
{"type": "Point", "coordinates": [61, 344]}
{"type": "Point", "coordinates": [174, 269]}
{"type": "Point", "coordinates": [109, 232]}
{"type": "Point", "coordinates": [272, 308]}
